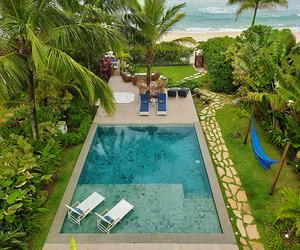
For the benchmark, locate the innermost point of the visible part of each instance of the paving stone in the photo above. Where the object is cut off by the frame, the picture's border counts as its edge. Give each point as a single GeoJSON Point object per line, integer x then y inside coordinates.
{"type": "Point", "coordinates": [256, 245]}
{"type": "Point", "coordinates": [216, 161]}
{"type": "Point", "coordinates": [213, 125]}
{"type": "Point", "coordinates": [232, 203]}
{"type": "Point", "coordinates": [230, 162]}
{"type": "Point", "coordinates": [225, 186]}
{"type": "Point", "coordinates": [239, 205]}
{"type": "Point", "coordinates": [214, 152]}
{"type": "Point", "coordinates": [8, 114]}
{"type": "Point", "coordinates": [203, 123]}
{"type": "Point", "coordinates": [204, 111]}
{"type": "Point", "coordinates": [246, 208]}
{"type": "Point", "coordinates": [222, 140]}
{"type": "Point", "coordinates": [228, 172]}
{"type": "Point", "coordinates": [246, 248]}
{"type": "Point", "coordinates": [217, 125]}
{"type": "Point", "coordinates": [233, 170]}
{"type": "Point", "coordinates": [209, 113]}
{"type": "Point", "coordinates": [220, 171]}
{"type": "Point", "coordinates": [225, 155]}
{"type": "Point", "coordinates": [241, 196]}
{"type": "Point", "coordinates": [219, 129]}
{"type": "Point", "coordinates": [238, 213]}
{"type": "Point", "coordinates": [208, 137]}
{"type": "Point", "coordinates": [220, 134]}
{"type": "Point", "coordinates": [233, 188]}
{"type": "Point", "coordinates": [209, 128]}
{"type": "Point", "coordinates": [218, 156]}
{"type": "Point", "coordinates": [211, 134]}
{"type": "Point", "coordinates": [212, 143]}
{"type": "Point", "coordinates": [224, 147]}
{"type": "Point", "coordinates": [210, 148]}
{"type": "Point", "coordinates": [222, 164]}
{"type": "Point", "coordinates": [247, 218]}
{"type": "Point", "coordinates": [243, 241]}
{"type": "Point", "coordinates": [214, 118]}
{"type": "Point", "coordinates": [215, 131]}
{"type": "Point", "coordinates": [220, 148]}
{"type": "Point", "coordinates": [252, 232]}
{"type": "Point", "coordinates": [216, 149]}
{"type": "Point", "coordinates": [237, 180]}
{"type": "Point", "coordinates": [228, 194]}
{"type": "Point", "coordinates": [218, 141]}
{"type": "Point", "coordinates": [241, 227]}
{"type": "Point", "coordinates": [216, 136]}
{"type": "Point", "coordinates": [227, 179]}
{"type": "Point", "coordinates": [225, 162]}
{"type": "Point", "coordinates": [213, 138]}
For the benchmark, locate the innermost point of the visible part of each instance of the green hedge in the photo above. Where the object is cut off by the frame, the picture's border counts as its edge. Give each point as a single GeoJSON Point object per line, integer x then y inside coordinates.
{"type": "Point", "coordinates": [219, 69]}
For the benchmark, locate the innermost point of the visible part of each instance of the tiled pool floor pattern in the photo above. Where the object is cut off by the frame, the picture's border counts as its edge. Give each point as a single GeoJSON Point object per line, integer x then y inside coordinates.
{"type": "Point", "coordinates": [164, 205]}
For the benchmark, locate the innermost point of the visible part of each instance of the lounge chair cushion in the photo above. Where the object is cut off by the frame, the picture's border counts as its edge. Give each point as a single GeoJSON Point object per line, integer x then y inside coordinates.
{"type": "Point", "coordinates": [111, 220]}
{"type": "Point", "coordinates": [78, 210]}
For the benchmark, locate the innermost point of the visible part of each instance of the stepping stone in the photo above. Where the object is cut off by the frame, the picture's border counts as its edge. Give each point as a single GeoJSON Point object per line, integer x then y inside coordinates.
{"type": "Point", "coordinates": [202, 117]}
{"type": "Point", "coordinates": [246, 208]}
{"type": "Point", "coordinates": [220, 171]}
{"type": "Point", "coordinates": [208, 137]}
{"type": "Point", "coordinates": [225, 155]}
{"type": "Point", "coordinates": [219, 156]}
{"type": "Point", "coordinates": [224, 147]}
{"type": "Point", "coordinates": [232, 203]}
{"type": "Point", "coordinates": [241, 196]}
{"type": "Point", "coordinates": [203, 123]}
{"type": "Point", "coordinates": [212, 143]}
{"type": "Point", "coordinates": [239, 204]}
{"type": "Point", "coordinates": [222, 140]}
{"type": "Point", "coordinates": [219, 129]}
{"type": "Point", "coordinates": [243, 241]}
{"type": "Point", "coordinates": [222, 164]}
{"type": "Point", "coordinates": [252, 232]}
{"type": "Point", "coordinates": [237, 180]}
{"type": "Point", "coordinates": [247, 218]}
{"type": "Point", "coordinates": [8, 114]}
{"type": "Point", "coordinates": [225, 186]}
{"type": "Point", "coordinates": [228, 194]}
{"type": "Point", "coordinates": [234, 189]}
{"type": "Point", "coordinates": [4, 120]}
{"type": "Point", "coordinates": [225, 162]}
{"type": "Point", "coordinates": [237, 213]}
{"type": "Point", "coordinates": [256, 245]}
{"type": "Point", "coordinates": [241, 228]}
{"type": "Point", "coordinates": [227, 179]}
{"type": "Point", "coordinates": [246, 248]}
{"type": "Point", "coordinates": [228, 172]}
{"type": "Point", "coordinates": [230, 162]}
{"type": "Point", "coordinates": [233, 170]}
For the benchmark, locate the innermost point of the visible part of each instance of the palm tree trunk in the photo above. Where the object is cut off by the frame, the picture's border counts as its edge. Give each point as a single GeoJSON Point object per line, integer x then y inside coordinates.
{"type": "Point", "coordinates": [32, 106]}
{"type": "Point", "coordinates": [149, 61]}
{"type": "Point", "coordinates": [237, 129]}
{"type": "Point", "coordinates": [254, 15]}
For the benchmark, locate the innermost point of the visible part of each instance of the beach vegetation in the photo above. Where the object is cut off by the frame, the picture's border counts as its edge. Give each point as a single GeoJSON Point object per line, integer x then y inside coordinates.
{"type": "Point", "coordinates": [220, 70]}
{"type": "Point", "coordinates": [145, 25]}
{"type": "Point", "coordinates": [255, 5]}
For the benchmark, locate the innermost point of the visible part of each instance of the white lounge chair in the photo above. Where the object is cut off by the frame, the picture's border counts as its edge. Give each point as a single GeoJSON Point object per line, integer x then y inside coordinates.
{"type": "Point", "coordinates": [113, 216]}
{"type": "Point", "coordinates": [84, 208]}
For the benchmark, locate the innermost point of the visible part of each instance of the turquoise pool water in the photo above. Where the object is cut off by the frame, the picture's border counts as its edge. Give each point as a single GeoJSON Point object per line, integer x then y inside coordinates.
{"type": "Point", "coordinates": [159, 170]}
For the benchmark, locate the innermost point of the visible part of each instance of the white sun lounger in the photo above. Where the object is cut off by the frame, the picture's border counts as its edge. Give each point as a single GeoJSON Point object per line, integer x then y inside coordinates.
{"type": "Point", "coordinates": [84, 208]}
{"type": "Point", "coordinates": [113, 216]}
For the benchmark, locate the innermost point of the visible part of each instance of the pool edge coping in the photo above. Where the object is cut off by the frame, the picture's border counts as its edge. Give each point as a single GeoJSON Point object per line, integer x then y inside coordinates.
{"type": "Point", "coordinates": [227, 237]}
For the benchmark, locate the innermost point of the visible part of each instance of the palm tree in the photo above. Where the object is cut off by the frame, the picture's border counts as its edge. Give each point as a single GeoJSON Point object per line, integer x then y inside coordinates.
{"type": "Point", "coordinates": [238, 114]}
{"type": "Point", "coordinates": [246, 5]}
{"type": "Point", "coordinates": [290, 209]}
{"type": "Point", "coordinates": [146, 25]}
{"type": "Point", "coordinates": [30, 37]}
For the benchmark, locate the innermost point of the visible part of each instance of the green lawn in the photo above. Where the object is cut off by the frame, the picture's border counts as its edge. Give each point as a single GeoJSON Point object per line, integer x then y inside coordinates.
{"type": "Point", "coordinates": [255, 180]}
{"type": "Point", "coordinates": [176, 72]}
{"type": "Point", "coordinates": [69, 158]}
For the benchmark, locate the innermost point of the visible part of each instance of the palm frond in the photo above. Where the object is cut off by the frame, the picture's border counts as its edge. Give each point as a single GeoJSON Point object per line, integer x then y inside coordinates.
{"type": "Point", "coordinates": [59, 61]}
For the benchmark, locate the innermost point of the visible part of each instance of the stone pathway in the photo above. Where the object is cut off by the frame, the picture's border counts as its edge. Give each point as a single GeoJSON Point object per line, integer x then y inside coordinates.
{"type": "Point", "coordinates": [236, 196]}
{"type": "Point", "coordinates": [196, 75]}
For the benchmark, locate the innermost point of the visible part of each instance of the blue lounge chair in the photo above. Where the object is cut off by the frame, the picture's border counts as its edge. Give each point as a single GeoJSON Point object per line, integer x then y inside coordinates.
{"type": "Point", "coordinates": [161, 104]}
{"type": "Point", "coordinates": [144, 109]}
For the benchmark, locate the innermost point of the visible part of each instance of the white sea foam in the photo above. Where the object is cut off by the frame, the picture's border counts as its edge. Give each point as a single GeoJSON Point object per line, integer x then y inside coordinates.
{"type": "Point", "coordinates": [218, 10]}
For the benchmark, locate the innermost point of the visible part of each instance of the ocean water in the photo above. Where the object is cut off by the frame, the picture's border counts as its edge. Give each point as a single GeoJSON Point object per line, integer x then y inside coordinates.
{"type": "Point", "coordinates": [203, 16]}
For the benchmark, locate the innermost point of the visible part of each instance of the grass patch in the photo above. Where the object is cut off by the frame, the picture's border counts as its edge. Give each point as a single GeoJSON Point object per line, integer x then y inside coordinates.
{"type": "Point", "coordinates": [255, 180]}
{"type": "Point", "coordinates": [176, 72]}
{"type": "Point", "coordinates": [69, 158]}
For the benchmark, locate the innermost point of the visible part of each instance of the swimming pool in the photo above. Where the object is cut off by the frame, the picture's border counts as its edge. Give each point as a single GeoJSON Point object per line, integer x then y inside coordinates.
{"type": "Point", "coordinates": [158, 169]}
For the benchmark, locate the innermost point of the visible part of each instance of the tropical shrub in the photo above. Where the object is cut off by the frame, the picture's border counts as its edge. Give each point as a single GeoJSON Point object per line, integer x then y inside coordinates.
{"type": "Point", "coordinates": [72, 138]}
{"type": "Point", "coordinates": [24, 168]}
{"type": "Point", "coordinates": [220, 70]}
{"type": "Point", "coordinates": [104, 71]}
{"type": "Point", "coordinates": [9, 240]}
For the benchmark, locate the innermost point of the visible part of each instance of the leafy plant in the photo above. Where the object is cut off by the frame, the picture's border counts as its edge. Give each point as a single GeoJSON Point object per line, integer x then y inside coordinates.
{"type": "Point", "coordinates": [238, 114]}
{"type": "Point", "coordinates": [290, 209]}
{"type": "Point", "coordinates": [9, 240]}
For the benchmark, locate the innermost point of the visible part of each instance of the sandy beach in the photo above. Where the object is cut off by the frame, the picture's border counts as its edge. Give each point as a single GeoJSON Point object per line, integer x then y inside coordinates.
{"type": "Point", "coordinates": [205, 36]}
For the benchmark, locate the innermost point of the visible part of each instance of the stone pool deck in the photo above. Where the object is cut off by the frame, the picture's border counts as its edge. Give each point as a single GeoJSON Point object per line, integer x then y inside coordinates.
{"type": "Point", "coordinates": [180, 111]}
